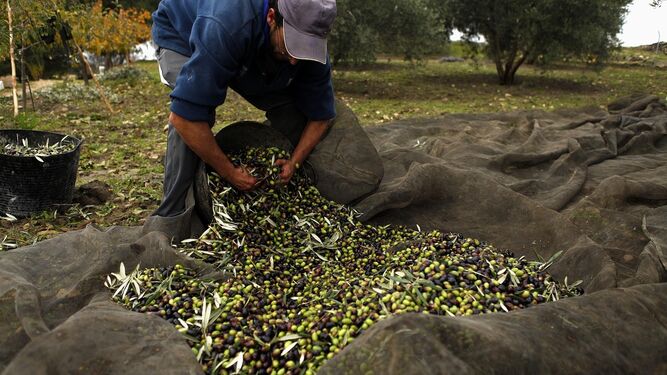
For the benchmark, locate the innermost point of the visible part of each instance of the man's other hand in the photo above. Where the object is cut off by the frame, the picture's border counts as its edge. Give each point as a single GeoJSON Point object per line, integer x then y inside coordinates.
{"type": "Point", "coordinates": [288, 169]}
{"type": "Point", "coordinates": [241, 179]}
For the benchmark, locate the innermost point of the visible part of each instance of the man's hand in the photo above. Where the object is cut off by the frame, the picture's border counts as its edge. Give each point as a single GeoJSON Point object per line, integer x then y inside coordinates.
{"type": "Point", "coordinates": [198, 136]}
{"type": "Point", "coordinates": [311, 135]}
{"type": "Point", "coordinates": [241, 179]}
{"type": "Point", "coordinates": [288, 169]}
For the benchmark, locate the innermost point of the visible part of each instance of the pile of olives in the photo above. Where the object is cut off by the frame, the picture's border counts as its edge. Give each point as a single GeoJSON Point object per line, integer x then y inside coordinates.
{"type": "Point", "coordinates": [300, 277]}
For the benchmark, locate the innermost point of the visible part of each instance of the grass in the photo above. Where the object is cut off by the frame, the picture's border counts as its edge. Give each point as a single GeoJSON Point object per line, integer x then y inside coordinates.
{"type": "Point", "coordinates": [125, 149]}
{"type": "Point", "coordinates": [395, 90]}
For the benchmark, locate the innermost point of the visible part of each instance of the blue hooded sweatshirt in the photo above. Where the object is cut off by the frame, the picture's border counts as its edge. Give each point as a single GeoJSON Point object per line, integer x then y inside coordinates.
{"type": "Point", "coordinates": [228, 45]}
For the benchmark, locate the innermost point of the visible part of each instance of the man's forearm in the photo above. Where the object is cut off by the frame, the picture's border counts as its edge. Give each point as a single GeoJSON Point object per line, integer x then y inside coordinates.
{"type": "Point", "coordinates": [199, 137]}
{"type": "Point", "coordinates": [310, 137]}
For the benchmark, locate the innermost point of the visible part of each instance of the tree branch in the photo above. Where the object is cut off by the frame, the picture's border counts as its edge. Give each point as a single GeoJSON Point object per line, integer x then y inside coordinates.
{"type": "Point", "coordinates": [90, 70]}
{"type": "Point", "coordinates": [519, 63]}
{"type": "Point", "coordinates": [11, 59]}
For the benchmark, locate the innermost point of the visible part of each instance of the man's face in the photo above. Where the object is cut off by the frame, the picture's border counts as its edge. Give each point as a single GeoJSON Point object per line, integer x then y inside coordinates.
{"type": "Point", "coordinates": [279, 50]}
{"type": "Point", "coordinates": [277, 39]}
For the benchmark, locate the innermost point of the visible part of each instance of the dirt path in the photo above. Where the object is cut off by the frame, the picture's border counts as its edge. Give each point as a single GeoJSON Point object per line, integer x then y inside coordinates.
{"type": "Point", "coordinates": [34, 85]}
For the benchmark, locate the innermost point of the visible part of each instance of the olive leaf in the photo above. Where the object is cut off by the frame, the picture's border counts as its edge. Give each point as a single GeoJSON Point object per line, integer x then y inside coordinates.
{"type": "Point", "coordinates": [290, 337]}
{"type": "Point", "coordinates": [205, 318]}
{"type": "Point", "coordinates": [206, 348]}
{"type": "Point", "coordinates": [217, 300]}
{"type": "Point", "coordinates": [183, 323]}
{"type": "Point", "coordinates": [122, 282]}
{"type": "Point", "coordinates": [9, 217]}
{"type": "Point", "coordinates": [288, 346]}
{"type": "Point", "coordinates": [544, 266]}
{"type": "Point", "coordinates": [4, 244]}
{"type": "Point", "coordinates": [237, 362]}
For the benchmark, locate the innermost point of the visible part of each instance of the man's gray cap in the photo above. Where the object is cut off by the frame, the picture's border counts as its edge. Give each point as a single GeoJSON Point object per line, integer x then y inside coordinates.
{"type": "Point", "coordinates": [306, 26]}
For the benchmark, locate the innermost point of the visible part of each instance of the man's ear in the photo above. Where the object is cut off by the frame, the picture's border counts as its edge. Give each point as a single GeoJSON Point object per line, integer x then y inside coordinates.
{"type": "Point", "coordinates": [271, 17]}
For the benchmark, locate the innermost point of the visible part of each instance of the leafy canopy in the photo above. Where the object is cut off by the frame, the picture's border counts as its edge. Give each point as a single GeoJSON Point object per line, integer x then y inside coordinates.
{"type": "Point", "coordinates": [109, 31]}
{"type": "Point", "coordinates": [363, 29]}
{"type": "Point", "coordinates": [518, 30]}
{"type": "Point", "coordinates": [32, 21]}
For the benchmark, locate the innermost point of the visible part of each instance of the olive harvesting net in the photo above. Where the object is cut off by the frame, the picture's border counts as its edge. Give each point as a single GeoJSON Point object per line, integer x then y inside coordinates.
{"type": "Point", "coordinates": [580, 192]}
{"type": "Point", "coordinates": [302, 277]}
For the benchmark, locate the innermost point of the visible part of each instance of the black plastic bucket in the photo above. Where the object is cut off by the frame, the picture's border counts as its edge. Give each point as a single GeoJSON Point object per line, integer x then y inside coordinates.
{"type": "Point", "coordinates": [28, 185]}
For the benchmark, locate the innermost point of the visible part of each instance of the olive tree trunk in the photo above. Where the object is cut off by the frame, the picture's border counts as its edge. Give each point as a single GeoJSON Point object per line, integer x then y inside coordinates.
{"type": "Point", "coordinates": [11, 60]}
{"type": "Point", "coordinates": [507, 67]}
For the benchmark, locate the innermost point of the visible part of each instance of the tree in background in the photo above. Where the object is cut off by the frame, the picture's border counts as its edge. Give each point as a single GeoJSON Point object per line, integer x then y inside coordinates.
{"type": "Point", "coordinates": [40, 24]}
{"type": "Point", "coordinates": [37, 24]}
{"type": "Point", "coordinates": [33, 26]}
{"type": "Point", "coordinates": [109, 32]}
{"type": "Point", "coordinates": [407, 28]}
{"type": "Point", "coordinates": [518, 30]}
{"type": "Point", "coordinates": [352, 39]}
{"type": "Point", "coordinates": [29, 17]}
{"type": "Point", "coordinates": [24, 38]}
{"type": "Point", "coordinates": [149, 5]}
